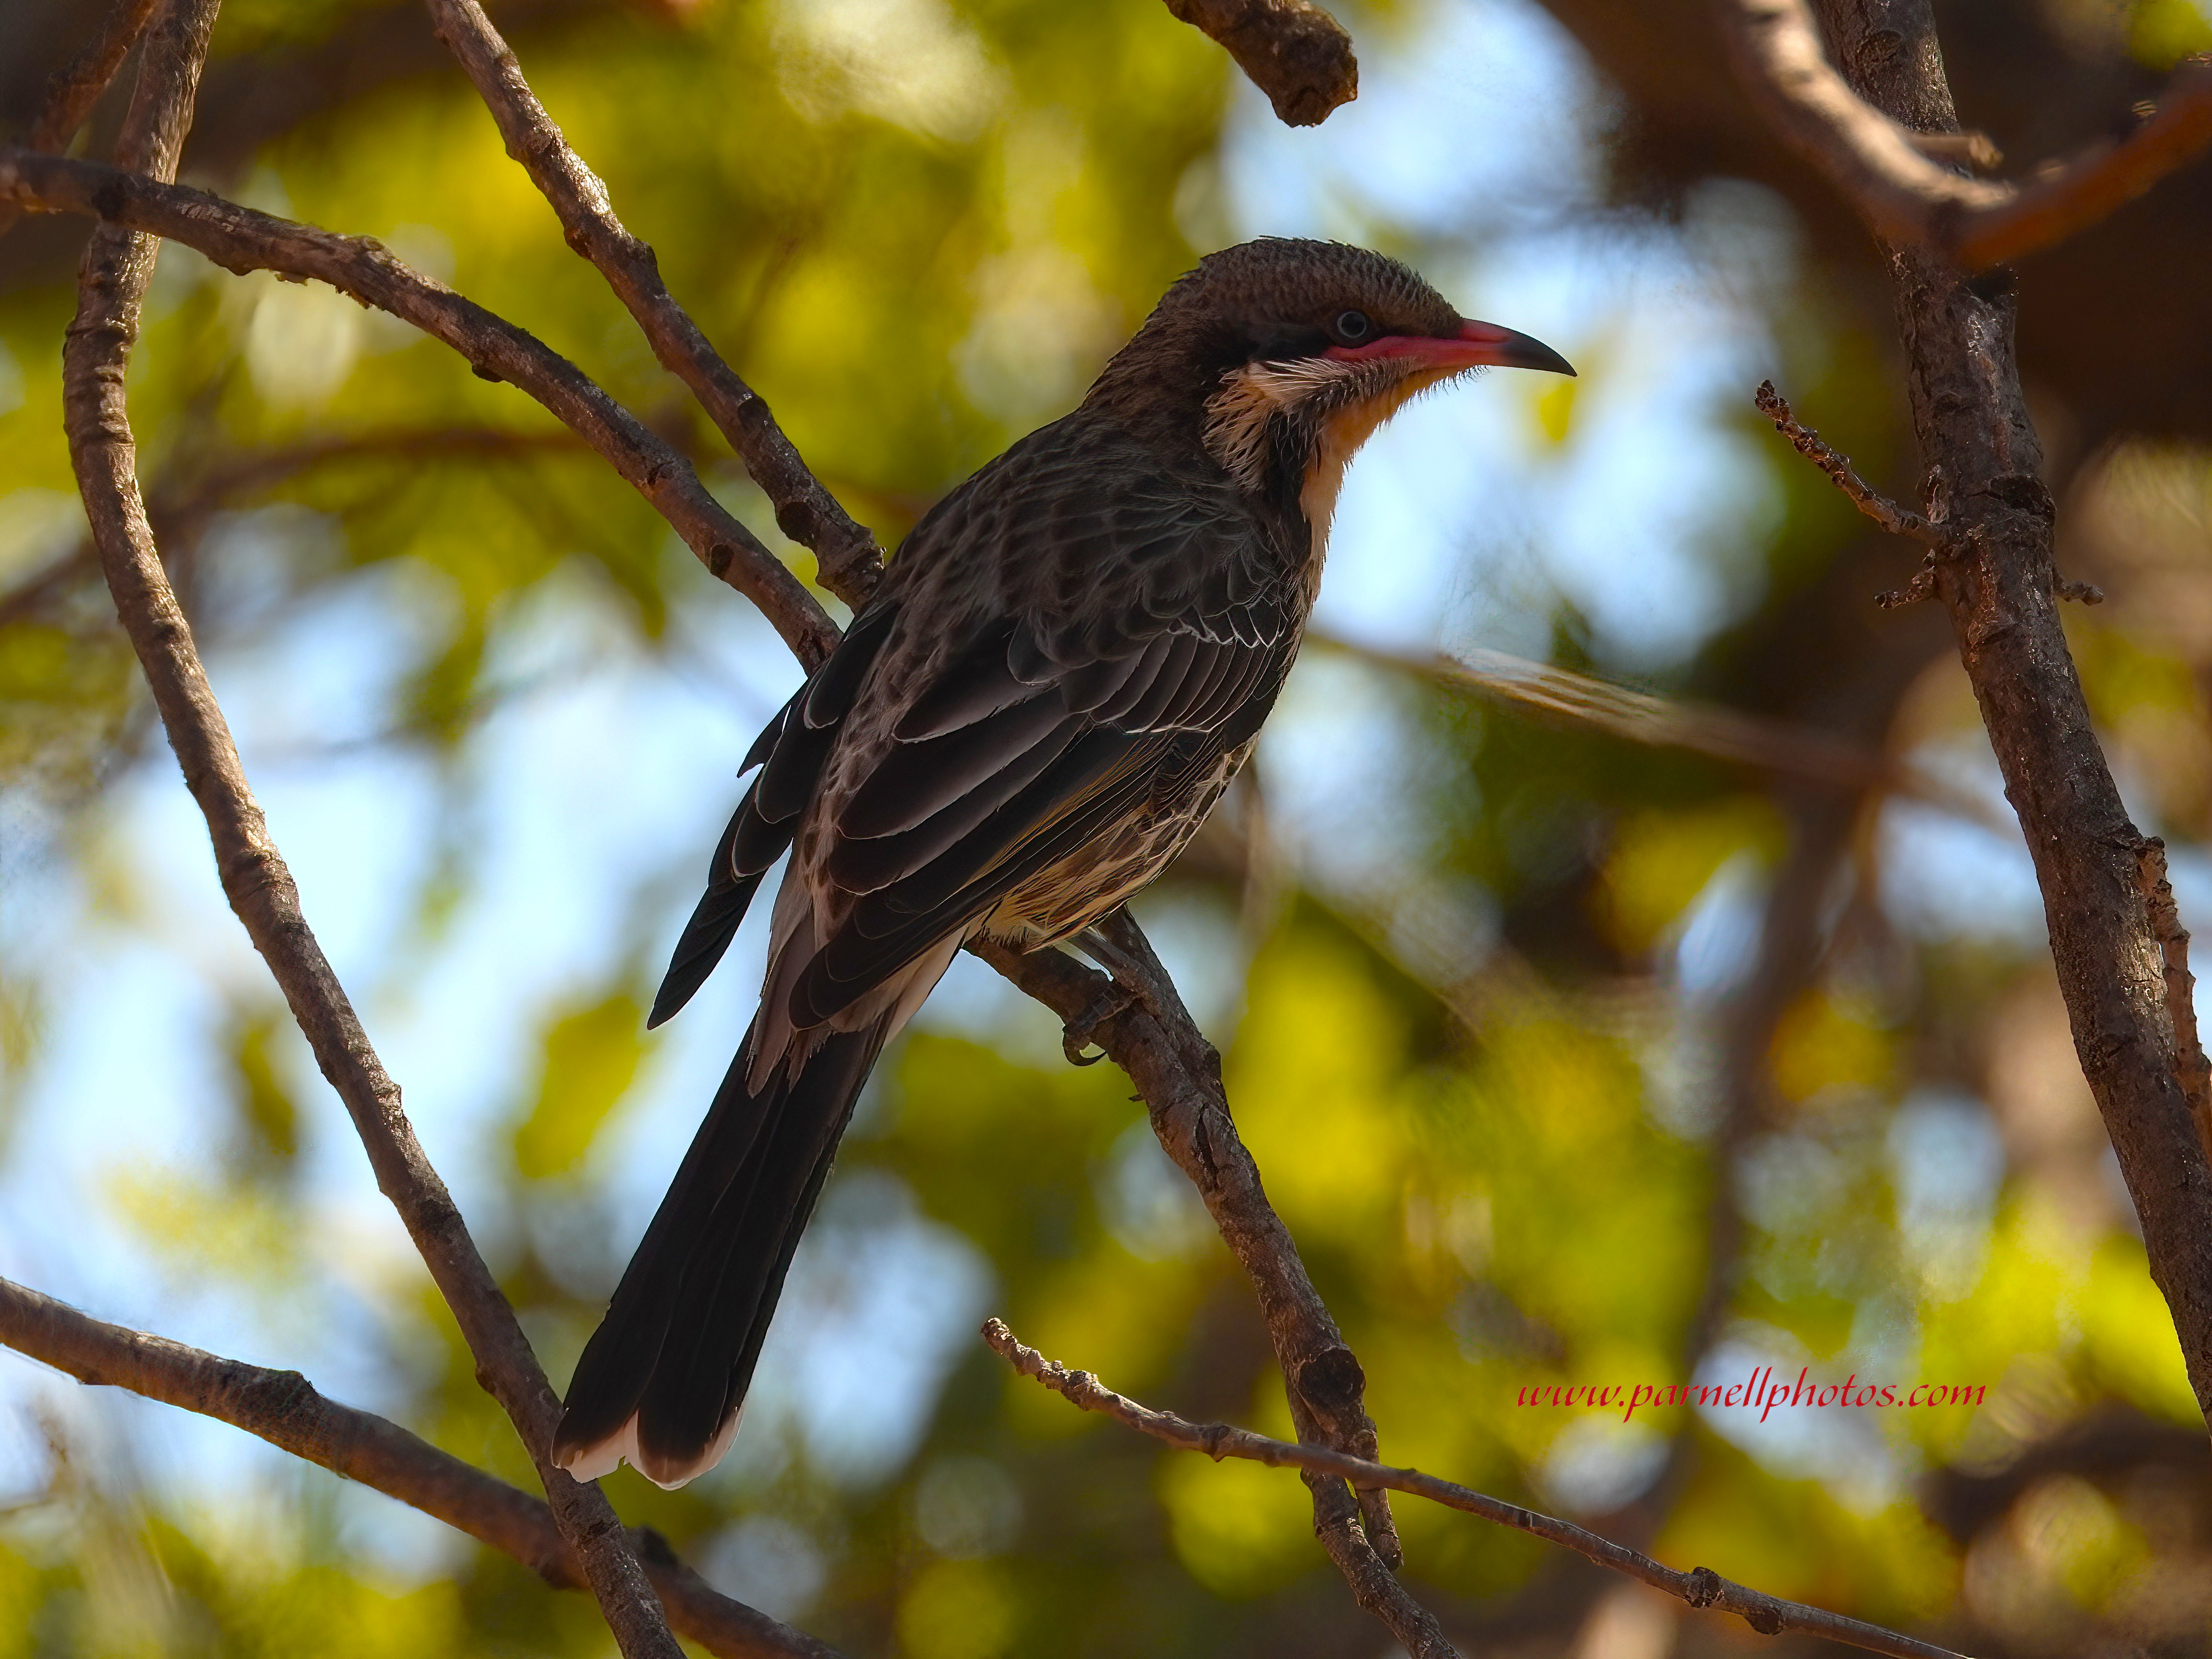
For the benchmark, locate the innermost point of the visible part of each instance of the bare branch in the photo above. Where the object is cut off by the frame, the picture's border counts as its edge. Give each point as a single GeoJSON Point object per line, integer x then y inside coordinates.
{"type": "Point", "coordinates": [2118, 959]}
{"type": "Point", "coordinates": [2076, 194]}
{"type": "Point", "coordinates": [1292, 50]}
{"type": "Point", "coordinates": [849, 561]}
{"type": "Point", "coordinates": [111, 283]}
{"type": "Point", "coordinates": [1898, 520]}
{"type": "Point", "coordinates": [240, 240]}
{"type": "Point", "coordinates": [1883, 168]}
{"type": "Point", "coordinates": [1147, 1032]}
{"type": "Point", "coordinates": [74, 89]}
{"type": "Point", "coordinates": [284, 1409]}
{"type": "Point", "coordinates": [1701, 1587]}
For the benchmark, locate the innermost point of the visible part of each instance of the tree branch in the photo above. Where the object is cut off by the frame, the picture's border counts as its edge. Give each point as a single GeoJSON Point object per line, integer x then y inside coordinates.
{"type": "Point", "coordinates": [848, 560]}
{"type": "Point", "coordinates": [1906, 196]}
{"type": "Point", "coordinates": [1700, 1588]}
{"type": "Point", "coordinates": [1137, 1018]}
{"type": "Point", "coordinates": [1870, 502]}
{"type": "Point", "coordinates": [2117, 960]}
{"type": "Point", "coordinates": [241, 239]}
{"type": "Point", "coordinates": [284, 1409]}
{"type": "Point", "coordinates": [112, 285]}
{"type": "Point", "coordinates": [1292, 50]}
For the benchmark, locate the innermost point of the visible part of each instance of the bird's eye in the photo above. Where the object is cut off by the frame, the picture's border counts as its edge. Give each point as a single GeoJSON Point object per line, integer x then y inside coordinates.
{"type": "Point", "coordinates": [1352, 327]}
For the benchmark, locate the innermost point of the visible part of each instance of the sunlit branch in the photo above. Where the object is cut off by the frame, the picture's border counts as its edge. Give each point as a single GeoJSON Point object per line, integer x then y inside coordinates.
{"type": "Point", "coordinates": [1292, 50]}
{"type": "Point", "coordinates": [2193, 1071]}
{"type": "Point", "coordinates": [240, 240]}
{"type": "Point", "coordinates": [849, 561]}
{"type": "Point", "coordinates": [1701, 1587]}
{"type": "Point", "coordinates": [1906, 195]}
{"type": "Point", "coordinates": [111, 283]}
{"type": "Point", "coordinates": [284, 1409]}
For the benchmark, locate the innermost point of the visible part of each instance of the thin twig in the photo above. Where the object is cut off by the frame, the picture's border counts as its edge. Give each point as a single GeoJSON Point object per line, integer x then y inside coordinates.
{"type": "Point", "coordinates": [173, 509]}
{"type": "Point", "coordinates": [284, 1409]}
{"type": "Point", "coordinates": [112, 278]}
{"type": "Point", "coordinates": [849, 561]}
{"type": "Point", "coordinates": [1903, 193]}
{"type": "Point", "coordinates": [1701, 1587]}
{"type": "Point", "coordinates": [239, 239]}
{"type": "Point", "coordinates": [1292, 50]}
{"type": "Point", "coordinates": [1898, 520]}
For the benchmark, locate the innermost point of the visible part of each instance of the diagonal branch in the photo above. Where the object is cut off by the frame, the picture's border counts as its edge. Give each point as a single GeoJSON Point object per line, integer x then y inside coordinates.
{"type": "Point", "coordinates": [1882, 169]}
{"type": "Point", "coordinates": [847, 555]}
{"type": "Point", "coordinates": [2118, 960]}
{"type": "Point", "coordinates": [111, 283]}
{"type": "Point", "coordinates": [1877, 507]}
{"type": "Point", "coordinates": [1701, 1587]}
{"type": "Point", "coordinates": [240, 240]}
{"type": "Point", "coordinates": [1139, 1021]}
{"type": "Point", "coordinates": [284, 1409]}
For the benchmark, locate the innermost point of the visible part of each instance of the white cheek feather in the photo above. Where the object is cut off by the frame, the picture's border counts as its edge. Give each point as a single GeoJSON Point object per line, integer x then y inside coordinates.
{"type": "Point", "coordinates": [1237, 418]}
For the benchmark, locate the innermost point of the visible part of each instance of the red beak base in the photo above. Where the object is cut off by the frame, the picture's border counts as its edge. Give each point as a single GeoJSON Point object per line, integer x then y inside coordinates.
{"type": "Point", "coordinates": [1477, 345]}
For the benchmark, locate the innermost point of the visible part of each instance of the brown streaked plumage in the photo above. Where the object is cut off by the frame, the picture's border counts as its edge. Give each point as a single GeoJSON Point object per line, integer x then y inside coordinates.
{"type": "Point", "coordinates": [1065, 665]}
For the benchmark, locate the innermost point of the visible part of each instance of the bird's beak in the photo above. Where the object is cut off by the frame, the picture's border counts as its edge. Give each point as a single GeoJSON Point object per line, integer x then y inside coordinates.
{"type": "Point", "coordinates": [1477, 345]}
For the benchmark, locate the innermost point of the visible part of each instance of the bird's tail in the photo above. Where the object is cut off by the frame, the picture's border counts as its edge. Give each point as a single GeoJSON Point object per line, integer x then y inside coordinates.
{"type": "Point", "coordinates": [662, 1380]}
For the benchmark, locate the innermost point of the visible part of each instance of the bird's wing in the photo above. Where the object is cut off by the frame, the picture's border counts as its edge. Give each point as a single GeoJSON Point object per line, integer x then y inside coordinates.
{"type": "Point", "coordinates": [1060, 641]}
{"type": "Point", "coordinates": [790, 752]}
{"type": "Point", "coordinates": [1141, 632]}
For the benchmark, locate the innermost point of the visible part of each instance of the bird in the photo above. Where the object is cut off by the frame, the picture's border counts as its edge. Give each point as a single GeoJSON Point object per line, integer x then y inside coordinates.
{"type": "Point", "coordinates": [1065, 664]}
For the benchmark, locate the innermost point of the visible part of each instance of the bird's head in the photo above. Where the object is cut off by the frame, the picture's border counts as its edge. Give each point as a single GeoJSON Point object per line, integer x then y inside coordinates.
{"type": "Point", "coordinates": [1280, 357]}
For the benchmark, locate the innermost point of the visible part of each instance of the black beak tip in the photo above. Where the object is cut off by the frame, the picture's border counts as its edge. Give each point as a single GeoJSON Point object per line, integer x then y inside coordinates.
{"type": "Point", "coordinates": [1538, 356]}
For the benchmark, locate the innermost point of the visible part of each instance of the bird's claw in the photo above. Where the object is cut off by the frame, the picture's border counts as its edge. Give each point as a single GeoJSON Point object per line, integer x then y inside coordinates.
{"type": "Point", "coordinates": [1112, 1002]}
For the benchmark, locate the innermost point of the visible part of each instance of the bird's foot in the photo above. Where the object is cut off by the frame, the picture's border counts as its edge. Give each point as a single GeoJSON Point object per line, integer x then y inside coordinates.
{"type": "Point", "coordinates": [1112, 1001]}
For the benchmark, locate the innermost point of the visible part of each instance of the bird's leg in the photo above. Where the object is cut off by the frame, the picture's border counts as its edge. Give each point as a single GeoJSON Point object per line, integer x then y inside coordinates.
{"type": "Point", "coordinates": [1131, 964]}
{"type": "Point", "coordinates": [1127, 971]}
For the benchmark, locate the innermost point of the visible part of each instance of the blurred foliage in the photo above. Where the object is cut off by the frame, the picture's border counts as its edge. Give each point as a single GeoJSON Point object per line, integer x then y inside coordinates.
{"type": "Point", "coordinates": [1541, 1107]}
